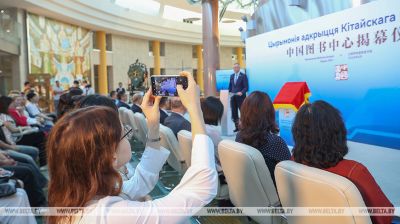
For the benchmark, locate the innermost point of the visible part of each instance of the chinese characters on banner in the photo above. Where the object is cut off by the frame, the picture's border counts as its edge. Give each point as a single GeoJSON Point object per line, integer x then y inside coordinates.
{"type": "Point", "coordinates": [364, 39]}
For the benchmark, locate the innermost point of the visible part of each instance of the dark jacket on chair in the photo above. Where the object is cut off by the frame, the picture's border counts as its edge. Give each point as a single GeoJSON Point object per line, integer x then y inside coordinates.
{"type": "Point", "coordinates": [122, 104]}
{"type": "Point", "coordinates": [163, 115]}
{"type": "Point", "coordinates": [177, 122]}
{"type": "Point", "coordinates": [136, 109]}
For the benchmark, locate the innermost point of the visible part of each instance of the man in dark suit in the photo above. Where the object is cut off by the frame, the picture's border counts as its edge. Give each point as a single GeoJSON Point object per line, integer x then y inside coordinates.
{"type": "Point", "coordinates": [137, 100]}
{"type": "Point", "coordinates": [238, 86]}
{"type": "Point", "coordinates": [164, 107]}
{"type": "Point", "coordinates": [122, 99]}
{"type": "Point", "coordinates": [176, 121]}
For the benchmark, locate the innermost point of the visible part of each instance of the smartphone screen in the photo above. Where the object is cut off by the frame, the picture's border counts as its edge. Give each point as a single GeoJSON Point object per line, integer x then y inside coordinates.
{"type": "Point", "coordinates": [165, 85]}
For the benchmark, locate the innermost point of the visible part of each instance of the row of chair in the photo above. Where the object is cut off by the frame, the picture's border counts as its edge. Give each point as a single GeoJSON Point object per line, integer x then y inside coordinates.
{"type": "Point", "coordinates": [250, 183]}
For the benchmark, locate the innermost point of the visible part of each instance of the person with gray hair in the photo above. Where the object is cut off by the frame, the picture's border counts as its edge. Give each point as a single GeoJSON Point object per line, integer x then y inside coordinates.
{"type": "Point", "coordinates": [176, 121]}
{"type": "Point", "coordinates": [137, 99]}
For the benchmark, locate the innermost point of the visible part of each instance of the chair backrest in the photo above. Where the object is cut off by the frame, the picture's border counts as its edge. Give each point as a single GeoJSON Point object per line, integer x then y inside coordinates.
{"type": "Point", "coordinates": [303, 186]}
{"type": "Point", "coordinates": [141, 125]}
{"type": "Point", "coordinates": [169, 141]}
{"type": "Point", "coordinates": [130, 119]}
{"type": "Point", "coordinates": [249, 181]}
{"type": "Point", "coordinates": [185, 143]}
{"type": "Point", "coordinates": [122, 117]}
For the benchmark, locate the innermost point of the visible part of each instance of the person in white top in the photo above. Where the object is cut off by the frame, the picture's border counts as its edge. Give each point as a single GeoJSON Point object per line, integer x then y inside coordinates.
{"type": "Point", "coordinates": [87, 88]}
{"type": "Point", "coordinates": [83, 165]}
{"type": "Point", "coordinates": [33, 108]}
{"type": "Point", "coordinates": [57, 92]}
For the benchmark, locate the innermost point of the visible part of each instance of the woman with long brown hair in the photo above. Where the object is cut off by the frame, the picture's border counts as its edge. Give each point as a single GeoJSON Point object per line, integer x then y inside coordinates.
{"type": "Point", "coordinates": [258, 129]}
{"type": "Point", "coordinates": [87, 146]}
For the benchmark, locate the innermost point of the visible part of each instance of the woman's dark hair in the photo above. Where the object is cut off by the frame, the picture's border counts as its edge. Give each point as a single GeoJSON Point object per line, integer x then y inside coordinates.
{"type": "Point", "coordinates": [257, 119]}
{"type": "Point", "coordinates": [212, 110]}
{"type": "Point", "coordinates": [319, 135]}
{"type": "Point", "coordinates": [112, 93]}
{"type": "Point", "coordinates": [5, 102]}
{"type": "Point", "coordinates": [96, 100]}
{"type": "Point", "coordinates": [120, 94]}
{"type": "Point", "coordinates": [30, 95]}
{"type": "Point", "coordinates": [67, 102]}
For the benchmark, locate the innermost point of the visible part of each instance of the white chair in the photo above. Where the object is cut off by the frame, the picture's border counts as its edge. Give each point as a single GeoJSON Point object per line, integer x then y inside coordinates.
{"type": "Point", "coordinates": [185, 144]}
{"type": "Point", "coordinates": [249, 181]}
{"type": "Point", "coordinates": [303, 186]}
{"type": "Point", "coordinates": [141, 124]}
{"type": "Point", "coordinates": [169, 141]}
{"type": "Point", "coordinates": [122, 117]}
{"type": "Point", "coordinates": [130, 120]}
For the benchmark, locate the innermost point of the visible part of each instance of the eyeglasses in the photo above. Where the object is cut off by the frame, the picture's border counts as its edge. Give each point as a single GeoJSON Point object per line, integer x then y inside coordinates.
{"type": "Point", "coordinates": [128, 133]}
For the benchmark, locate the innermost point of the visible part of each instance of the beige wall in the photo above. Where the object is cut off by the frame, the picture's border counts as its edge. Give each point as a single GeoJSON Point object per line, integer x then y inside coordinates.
{"type": "Point", "coordinates": [125, 50]}
{"type": "Point", "coordinates": [176, 56]}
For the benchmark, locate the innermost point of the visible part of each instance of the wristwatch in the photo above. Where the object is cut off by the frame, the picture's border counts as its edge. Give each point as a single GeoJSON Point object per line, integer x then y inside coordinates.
{"type": "Point", "coordinates": [154, 140]}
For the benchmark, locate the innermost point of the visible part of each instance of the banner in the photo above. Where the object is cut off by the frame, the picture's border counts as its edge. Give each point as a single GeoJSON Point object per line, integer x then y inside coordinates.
{"type": "Point", "coordinates": [349, 59]}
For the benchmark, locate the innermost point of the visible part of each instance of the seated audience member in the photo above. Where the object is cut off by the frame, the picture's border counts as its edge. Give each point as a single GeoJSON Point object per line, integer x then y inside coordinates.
{"type": "Point", "coordinates": [68, 101]}
{"type": "Point", "coordinates": [164, 107]}
{"type": "Point", "coordinates": [213, 109]}
{"type": "Point", "coordinates": [320, 141]}
{"type": "Point", "coordinates": [19, 199]}
{"type": "Point", "coordinates": [33, 108]}
{"type": "Point", "coordinates": [87, 88]}
{"type": "Point", "coordinates": [20, 153]}
{"type": "Point", "coordinates": [137, 99]}
{"type": "Point", "coordinates": [22, 135]}
{"type": "Point", "coordinates": [25, 161]}
{"type": "Point", "coordinates": [176, 121]}
{"type": "Point", "coordinates": [25, 173]}
{"type": "Point", "coordinates": [113, 96]}
{"type": "Point", "coordinates": [134, 187]}
{"type": "Point", "coordinates": [21, 113]}
{"type": "Point", "coordinates": [122, 100]}
{"type": "Point", "coordinates": [75, 86]}
{"type": "Point", "coordinates": [93, 179]}
{"type": "Point", "coordinates": [15, 110]}
{"type": "Point", "coordinates": [257, 128]}
{"type": "Point", "coordinates": [21, 117]}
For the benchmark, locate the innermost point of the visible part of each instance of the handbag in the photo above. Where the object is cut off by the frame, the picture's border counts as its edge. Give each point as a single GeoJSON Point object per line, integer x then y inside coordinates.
{"type": "Point", "coordinates": [8, 186]}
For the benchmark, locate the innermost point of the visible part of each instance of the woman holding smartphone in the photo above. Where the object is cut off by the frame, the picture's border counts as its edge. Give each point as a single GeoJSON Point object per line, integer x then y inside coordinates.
{"type": "Point", "coordinates": [86, 148]}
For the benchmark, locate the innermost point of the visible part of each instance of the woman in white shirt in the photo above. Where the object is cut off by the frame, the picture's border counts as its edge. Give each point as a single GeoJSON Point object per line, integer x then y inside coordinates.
{"type": "Point", "coordinates": [87, 146]}
{"type": "Point", "coordinates": [139, 181]}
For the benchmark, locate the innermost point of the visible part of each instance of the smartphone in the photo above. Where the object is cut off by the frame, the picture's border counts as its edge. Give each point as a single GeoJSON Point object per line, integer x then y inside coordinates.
{"type": "Point", "coordinates": [165, 85]}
